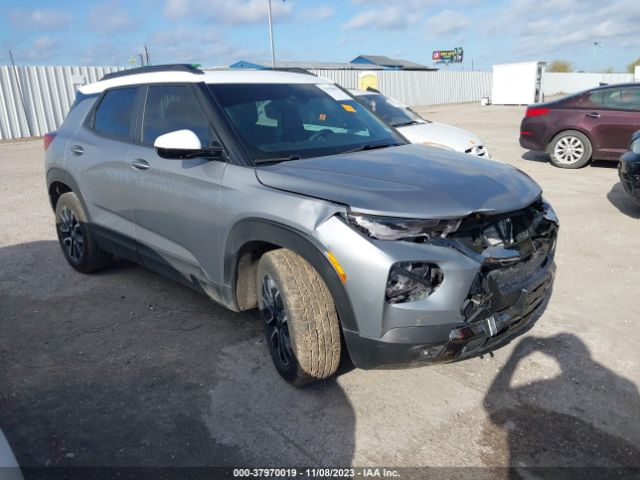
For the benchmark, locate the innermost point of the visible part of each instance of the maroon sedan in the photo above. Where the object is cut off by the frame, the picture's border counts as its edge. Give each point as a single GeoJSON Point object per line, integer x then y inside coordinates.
{"type": "Point", "coordinates": [595, 124]}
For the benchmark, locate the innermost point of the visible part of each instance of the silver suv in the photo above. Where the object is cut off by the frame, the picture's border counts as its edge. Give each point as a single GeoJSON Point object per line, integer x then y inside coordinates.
{"type": "Point", "coordinates": [278, 190]}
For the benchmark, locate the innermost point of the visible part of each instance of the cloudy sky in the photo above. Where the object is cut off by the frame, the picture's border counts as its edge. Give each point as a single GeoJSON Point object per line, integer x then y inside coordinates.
{"type": "Point", "coordinates": [219, 32]}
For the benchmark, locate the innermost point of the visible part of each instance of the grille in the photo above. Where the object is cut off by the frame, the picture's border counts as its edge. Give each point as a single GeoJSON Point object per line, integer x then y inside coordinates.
{"type": "Point", "coordinates": [510, 277]}
{"type": "Point", "coordinates": [515, 260]}
{"type": "Point", "coordinates": [626, 183]}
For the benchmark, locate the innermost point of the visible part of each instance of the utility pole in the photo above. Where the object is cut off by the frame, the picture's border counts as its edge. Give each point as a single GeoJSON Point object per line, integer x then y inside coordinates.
{"type": "Point", "coordinates": [273, 52]}
{"type": "Point", "coordinates": [24, 104]}
{"type": "Point", "coordinates": [146, 54]}
{"type": "Point", "coordinates": [595, 45]}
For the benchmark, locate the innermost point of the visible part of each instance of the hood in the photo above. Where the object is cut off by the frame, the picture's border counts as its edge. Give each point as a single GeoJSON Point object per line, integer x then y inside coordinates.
{"type": "Point", "coordinates": [411, 181]}
{"type": "Point", "coordinates": [452, 137]}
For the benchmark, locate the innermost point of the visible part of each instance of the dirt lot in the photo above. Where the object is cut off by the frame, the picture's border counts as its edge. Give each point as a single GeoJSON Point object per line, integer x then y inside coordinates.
{"type": "Point", "coordinates": [126, 368]}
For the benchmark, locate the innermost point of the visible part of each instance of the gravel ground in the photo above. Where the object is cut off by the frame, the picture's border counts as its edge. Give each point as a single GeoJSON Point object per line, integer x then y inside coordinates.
{"type": "Point", "coordinates": [126, 368]}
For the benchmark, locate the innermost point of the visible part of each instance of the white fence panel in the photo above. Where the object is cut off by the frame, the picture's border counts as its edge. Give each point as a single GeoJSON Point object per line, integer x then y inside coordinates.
{"type": "Point", "coordinates": [35, 100]}
{"type": "Point", "coordinates": [555, 83]}
{"type": "Point", "coordinates": [421, 88]}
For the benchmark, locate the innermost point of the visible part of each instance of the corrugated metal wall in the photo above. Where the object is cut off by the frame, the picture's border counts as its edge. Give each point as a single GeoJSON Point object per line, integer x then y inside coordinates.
{"type": "Point", "coordinates": [48, 92]}
{"type": "Point", "coordinates": [554, 83]}
{"type": "Point", "coordinates": [421, 88]}
{"type": "Point", "coordinates": [35, 100]}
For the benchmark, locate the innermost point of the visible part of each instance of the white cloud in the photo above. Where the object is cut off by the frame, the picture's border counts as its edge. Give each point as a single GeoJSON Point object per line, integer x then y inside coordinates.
{"type": "Point", "coordinates": [176, 8]}
{"type": "Point", "coordinates": [544, 28]}
{"type": "Point", "coordinates": [44, 43]}
{"type": "Point", "coordinates": [42, 49]}
{"type": "Point", "coordinates": [446, 22]}
{"type": "Point", "coordinates": [110, 17]}
{"type": "Point", "coordinates": [43, 19]}
{"type": "Point", "coordinates": [182, 44]}
{"type": "Point", "coordinates": [389, 18]}
{"type": "Point", "coordinates": [225, 12]}
{"type": "Point", "coordinates": [315, 14]}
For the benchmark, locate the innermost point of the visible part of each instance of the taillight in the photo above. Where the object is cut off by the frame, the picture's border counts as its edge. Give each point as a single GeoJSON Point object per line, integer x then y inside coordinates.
{"type": "Point", "coordinates": [48, 138]}
{"type": "Point", "coordinates": [534, 112]}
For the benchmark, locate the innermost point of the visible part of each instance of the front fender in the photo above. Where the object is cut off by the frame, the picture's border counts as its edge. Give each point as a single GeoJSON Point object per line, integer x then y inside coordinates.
{"type": "Point", "coordinates": [258, 230]}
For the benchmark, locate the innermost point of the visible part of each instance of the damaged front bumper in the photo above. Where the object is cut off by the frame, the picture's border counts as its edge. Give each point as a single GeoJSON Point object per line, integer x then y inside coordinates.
{"type": "Point", "coordinates": [629, 173]}
{"type": "Point", "coordinates": [410, 346]}
{"type": "Point", "coordinates": [506, 297]}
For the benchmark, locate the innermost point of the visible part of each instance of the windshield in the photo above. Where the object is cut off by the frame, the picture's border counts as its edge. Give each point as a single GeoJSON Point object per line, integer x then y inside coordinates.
{"type": "Point", "coordinates": [392, 112]}
{"type": "Point", "coordinates": [291, 121]}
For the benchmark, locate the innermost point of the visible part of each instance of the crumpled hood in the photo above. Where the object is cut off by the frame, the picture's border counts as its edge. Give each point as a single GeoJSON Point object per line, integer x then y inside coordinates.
{"type": "Point", "coordinates": [410, 181]}
{"type": "Point", "coordinates": [452, 137]}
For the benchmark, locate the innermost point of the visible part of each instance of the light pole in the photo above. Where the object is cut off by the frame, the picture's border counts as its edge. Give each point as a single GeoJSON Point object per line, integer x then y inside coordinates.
{"type": "Point", "coordinates": [273, 52]}
{"type": "Point", "coordinates": [595, 45]}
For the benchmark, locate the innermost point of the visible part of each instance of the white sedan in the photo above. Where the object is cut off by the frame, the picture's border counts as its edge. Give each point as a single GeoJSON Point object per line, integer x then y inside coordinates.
{"type": "Point", "coordinates": [418, 130]}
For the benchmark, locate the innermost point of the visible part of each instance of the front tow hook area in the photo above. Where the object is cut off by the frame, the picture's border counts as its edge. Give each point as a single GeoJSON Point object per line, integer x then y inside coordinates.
{"type": "Point", "coordinates": [497, 323]}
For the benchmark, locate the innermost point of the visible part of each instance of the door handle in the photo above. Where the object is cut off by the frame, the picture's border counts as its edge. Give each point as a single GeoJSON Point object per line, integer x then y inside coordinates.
{"type": "Point", "coordinates": [593, 115]}
{"type": "Point", "coordinates": [139, 164]}
{"type": "Point", "coordinates": [77, 150]}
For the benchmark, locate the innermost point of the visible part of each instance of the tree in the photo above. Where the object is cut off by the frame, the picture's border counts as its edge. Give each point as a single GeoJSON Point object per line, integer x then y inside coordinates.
{"type": "Point", "coordinates": [632, 66]}
{"type": "Point", "coordinates": [560, 66]}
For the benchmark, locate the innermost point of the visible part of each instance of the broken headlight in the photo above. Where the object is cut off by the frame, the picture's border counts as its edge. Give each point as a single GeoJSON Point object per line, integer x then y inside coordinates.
{"type": "Point", "coordinates": [391, 228]}
{"type": "Point", "coordinates": [410, 281]}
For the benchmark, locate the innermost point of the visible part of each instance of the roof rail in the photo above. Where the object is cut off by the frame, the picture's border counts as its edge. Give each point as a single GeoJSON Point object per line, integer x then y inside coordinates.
{"type": "Point", "coordinates": [173, 67]}
{"type": "Point", "coordinates": [293, 70]}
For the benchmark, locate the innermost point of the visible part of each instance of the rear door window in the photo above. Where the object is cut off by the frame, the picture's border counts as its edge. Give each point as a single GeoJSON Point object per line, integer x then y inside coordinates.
{"type": "Point", "coordinates": [622, 98]}
{"type": "Point", "coordinates": [173, 107]}
{"type": "Point", "coordinates": [594, 99]}
{"type": "Point", "coordinates": [114, 115]}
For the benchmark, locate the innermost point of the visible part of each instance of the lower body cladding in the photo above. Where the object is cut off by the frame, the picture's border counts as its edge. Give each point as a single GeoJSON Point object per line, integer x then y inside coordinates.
{"type": "Point", "coordinates": [485, 297]}
{"type": "Point", "coordinates": [629, 173]}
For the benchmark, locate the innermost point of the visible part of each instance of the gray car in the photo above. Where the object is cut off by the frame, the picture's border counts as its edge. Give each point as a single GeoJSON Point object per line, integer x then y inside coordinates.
{"type": "Point", "coordinates": [278, 190]}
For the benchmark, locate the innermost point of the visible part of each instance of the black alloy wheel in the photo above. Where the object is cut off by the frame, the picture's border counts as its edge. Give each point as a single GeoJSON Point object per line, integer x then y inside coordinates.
{"type": "Point", "coordinates": [274, 316]}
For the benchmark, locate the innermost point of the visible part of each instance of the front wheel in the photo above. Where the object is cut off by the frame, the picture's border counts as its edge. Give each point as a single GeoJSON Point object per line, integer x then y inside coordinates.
{"type": "Point", "coordinates": [570, 149]}
{"type": "Point", "coordinates": [300, 321]}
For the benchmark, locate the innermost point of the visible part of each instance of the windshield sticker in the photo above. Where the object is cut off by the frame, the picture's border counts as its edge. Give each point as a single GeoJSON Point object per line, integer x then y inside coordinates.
{"type": "Point", "coordinates": [333, 91]}
{"type": "Point", "coordinates": [348, 107]}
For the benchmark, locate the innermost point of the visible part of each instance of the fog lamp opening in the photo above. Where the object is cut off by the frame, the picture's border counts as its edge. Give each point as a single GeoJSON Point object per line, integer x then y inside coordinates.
{"type": "Point", "coordinates": [411, 281]}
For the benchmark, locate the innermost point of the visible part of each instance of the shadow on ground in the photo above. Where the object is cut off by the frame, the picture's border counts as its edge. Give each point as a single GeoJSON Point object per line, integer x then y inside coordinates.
{"type": "Point", "coordinates": [544, 421]}
{"type": "Point", "coordinates": [125, 368]}
{"type": "Point", "coordinates": [623, 202]}
{"type": "Point", "coordinates": [535, 156]}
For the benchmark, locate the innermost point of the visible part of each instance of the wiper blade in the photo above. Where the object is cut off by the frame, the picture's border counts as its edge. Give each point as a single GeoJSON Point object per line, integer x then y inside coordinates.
{"type": "Point", "coordinates": [262, 161]}
{"type": "Point", "coordinates": [372, 147]}
{"type": "Point", "coordinates": [406, 124]}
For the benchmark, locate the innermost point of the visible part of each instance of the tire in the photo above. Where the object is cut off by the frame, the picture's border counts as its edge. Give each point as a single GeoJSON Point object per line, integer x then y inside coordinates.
{"type": "Point", "coordinates": [570, 149]}
{"type": "Point", "coordinates": [74, 236]}
{"type": "Point", "coordinates": [301, 325]}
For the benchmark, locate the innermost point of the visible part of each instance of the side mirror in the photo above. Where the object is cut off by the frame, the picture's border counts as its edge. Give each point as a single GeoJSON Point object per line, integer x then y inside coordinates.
{"type": "Point", "coordinates": [184, 144]}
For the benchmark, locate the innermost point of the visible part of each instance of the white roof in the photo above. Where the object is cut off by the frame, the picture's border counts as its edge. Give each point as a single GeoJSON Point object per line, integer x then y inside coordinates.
{"type": "Point", "coordinates": [218, 76]}
{"type": "Point", "coordinates": [359, 93]}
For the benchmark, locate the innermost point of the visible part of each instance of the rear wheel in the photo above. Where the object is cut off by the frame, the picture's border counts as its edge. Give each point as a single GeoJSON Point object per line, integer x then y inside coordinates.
{"type": "Point", "coordinates": [570, 149]}
{"type": "Point", "coordinates": [300, 321]}
{"type": "Point", "coordinates": [75, 237]}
